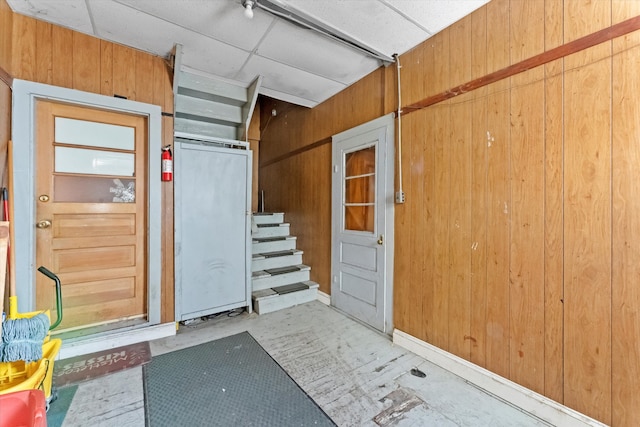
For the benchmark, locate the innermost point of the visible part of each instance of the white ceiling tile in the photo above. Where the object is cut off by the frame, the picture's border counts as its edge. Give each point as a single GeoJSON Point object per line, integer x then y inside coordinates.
{"type": "Point", "coordinates": [315, 53]}
{"type": "Point", "coordinates": [283, 78]}
{"type": "Point", "coordinates": [371, 22]}
{"type": "Point", "coordinates": [66, 13]}
{"type": "Point", "coordinates": [435, 15]}
{"type": "Point", "coordinates": [119, 23]}
{"type": "Point", "coordinates": [223, 20]}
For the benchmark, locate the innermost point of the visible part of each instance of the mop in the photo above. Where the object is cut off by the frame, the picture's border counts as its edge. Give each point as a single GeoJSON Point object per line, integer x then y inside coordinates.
{"type": "Point", "coordinates": [22, 338]}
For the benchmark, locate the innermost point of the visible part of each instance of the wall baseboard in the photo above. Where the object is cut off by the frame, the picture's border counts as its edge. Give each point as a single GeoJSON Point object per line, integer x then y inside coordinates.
{"type": "Point", "coordinates": [529, 401]}
{"type": "Point", "coordinates": [324, 298]}
{"type": "Point", "coordinates": [115, 339]}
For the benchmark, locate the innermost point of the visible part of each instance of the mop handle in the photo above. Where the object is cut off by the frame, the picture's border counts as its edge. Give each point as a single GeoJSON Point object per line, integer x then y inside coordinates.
{"type": "Point", "coordinates": [55, 278]}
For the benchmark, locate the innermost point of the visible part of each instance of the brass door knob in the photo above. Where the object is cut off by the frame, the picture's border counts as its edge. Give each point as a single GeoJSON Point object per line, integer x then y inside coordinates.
{"type": "Point", "coordinates": [43, 224]}
{"type": "Point", "coordinates": [43, 198]}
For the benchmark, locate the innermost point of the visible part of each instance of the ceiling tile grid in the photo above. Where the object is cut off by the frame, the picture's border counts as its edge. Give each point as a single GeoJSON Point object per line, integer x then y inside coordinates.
{"type": "Point", "coordinates": [298, 64]}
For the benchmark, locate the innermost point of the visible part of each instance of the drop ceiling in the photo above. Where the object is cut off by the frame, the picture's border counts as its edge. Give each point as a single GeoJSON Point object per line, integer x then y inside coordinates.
{"type": "Point", "coordinates": [298, 65]}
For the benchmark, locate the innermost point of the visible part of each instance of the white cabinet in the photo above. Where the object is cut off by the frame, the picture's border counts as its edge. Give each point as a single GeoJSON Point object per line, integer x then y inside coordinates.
{"type": "Point", "coordinates": [212, 227]}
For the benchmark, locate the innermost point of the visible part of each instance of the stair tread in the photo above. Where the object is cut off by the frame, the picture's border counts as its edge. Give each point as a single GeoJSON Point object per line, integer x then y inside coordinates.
{"type": "Point", "coordinates": [276, 254]}
{"type": "Point", "coordinates": [284, 289]}
{"type": "Point", "coordinates": [282, 270]}
{"type": "Point", "coordinates": [272, 239]}
{"type": "Point", "coordinates": [278, 224]}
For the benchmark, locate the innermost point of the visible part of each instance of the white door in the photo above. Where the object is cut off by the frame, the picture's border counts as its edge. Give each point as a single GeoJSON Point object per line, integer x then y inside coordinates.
{"type": "Point", "coordinates": [362, 223]}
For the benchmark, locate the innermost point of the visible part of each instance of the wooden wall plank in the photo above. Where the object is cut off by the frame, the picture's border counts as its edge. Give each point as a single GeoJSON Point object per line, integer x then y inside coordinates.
{"type": "Point", "coordinates": [625, 300]}
{"type": "Point", "coordinates": [168, 257]}
{"type": "Point", "coordinates": [526, 21]}
{"type": "Point", "coordinates": [460, 229]}
{"type": "Point", "coordinates": [498, 219]}
{"type": "Point", "coordinates": [497, 39]}
{"type": "Point", "coordinates": [6, 37]}
{"type": "Point", "coordinates": [404, 289]}
{"type": "Point", "coordinates": [479, 48]}
{"type": "Point", "coordinates": [124, 69]}
{"type": "Point", "coordinates": [440, 79]}
{"type": "Point", "coordinates": [426, 126]}
{"type": "Point", "coordinates": [414, 205]}
{"type": "Point", "coordinates": [622, 10]}
{"type": "Point", "coordinates": [587, 238]}
{"type": "Point", "coordinates": [86, 60]}
{"type": "Point", "coordinates": [44, 49]}
{"type": "Point", "coordinates": [144, 85]}
{"type": "Point", "coordinates": [526, 256]}
{"type": "Point", "coordinates": [411, 75]}
{"type": "Point", "coordinates": [106, 68]}
{"type": "Point", "coordinates": [553, 235]}
{"type": "Point", "coordinates": [441, 201]}
{"type": "Point", "coordinates": [553, 232]}
{"type": "Point", "coordinates": [479, 196]}
{"type": "Point", "coordinates": [62, 56]}
{"type": "Point", "coordinates": [583, 17]}
{"type": "Point", "coordinates": [460, 59]}
{"type": "Point", "coordinates": [24, 47]}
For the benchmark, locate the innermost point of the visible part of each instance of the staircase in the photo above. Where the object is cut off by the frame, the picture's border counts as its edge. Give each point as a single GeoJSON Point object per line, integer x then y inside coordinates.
{"type": "Point", "coordinates": [280, 280]}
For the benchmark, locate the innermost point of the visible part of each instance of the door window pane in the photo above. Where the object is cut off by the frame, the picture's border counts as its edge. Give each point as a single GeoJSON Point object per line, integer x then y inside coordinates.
{"type": "Point", "coordinates": [94, 134]}
{"type": "Point", "coordinates": [93, 162]}
{"type": "Point", "coordinates": [81, 189]}
{"type": "Point", "coordinates": [360, 190]}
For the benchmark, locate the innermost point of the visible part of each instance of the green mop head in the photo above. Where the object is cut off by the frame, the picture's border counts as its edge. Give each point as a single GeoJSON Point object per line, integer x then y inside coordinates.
{"type": "Point", "coordinates": [22, 338]}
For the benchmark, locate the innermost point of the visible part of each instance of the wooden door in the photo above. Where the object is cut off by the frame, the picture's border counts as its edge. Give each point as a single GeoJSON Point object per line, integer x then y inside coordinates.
{"type": "Point", "coordinates": [91, 194]}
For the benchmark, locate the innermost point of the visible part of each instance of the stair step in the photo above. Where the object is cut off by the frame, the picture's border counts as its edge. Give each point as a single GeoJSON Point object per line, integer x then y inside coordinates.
{"type": "Point", "coordinates": [278, 298]}
{"type": "Point", "coordinates": [274, 260]}
{"type": "Point", "coordinates": [272, 244]}
{"type": "Point", "coordinates": [274, 277]}
{"type": "Point", "coordinates": [268, 217]}
{"type": "Point", "coordinates": [271, 230]}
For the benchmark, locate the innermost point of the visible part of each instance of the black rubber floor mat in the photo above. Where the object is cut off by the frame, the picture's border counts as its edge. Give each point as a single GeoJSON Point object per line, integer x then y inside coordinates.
{"type": "Point", "coordinates": [228, 382]}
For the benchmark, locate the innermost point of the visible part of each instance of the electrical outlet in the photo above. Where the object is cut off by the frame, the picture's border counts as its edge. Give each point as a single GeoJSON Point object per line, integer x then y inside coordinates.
{"type": "Point", "coordinates": [399, 196]}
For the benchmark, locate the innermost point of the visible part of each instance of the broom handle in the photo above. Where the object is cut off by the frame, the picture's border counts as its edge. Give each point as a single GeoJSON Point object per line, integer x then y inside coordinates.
{"type": "Point", "coordinates": [12, 232]}
{"type": "Point", "coordinates": [4, 243]}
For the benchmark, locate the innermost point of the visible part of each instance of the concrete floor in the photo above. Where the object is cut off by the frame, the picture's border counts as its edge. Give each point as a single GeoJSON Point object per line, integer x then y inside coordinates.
{"type": "Point", "coordinates": [356, 375]}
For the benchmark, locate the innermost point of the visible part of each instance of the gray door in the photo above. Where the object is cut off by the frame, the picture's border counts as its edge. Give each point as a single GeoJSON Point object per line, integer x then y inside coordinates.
{"type": "Point", "coordinates": [362, 223]}
{"type": "Point", "coordinates": [212, 229]}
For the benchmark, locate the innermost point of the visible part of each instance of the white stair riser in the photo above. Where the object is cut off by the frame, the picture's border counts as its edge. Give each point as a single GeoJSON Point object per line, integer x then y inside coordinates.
{"type": "Point", "coordinates": [275, 246]}
{"type": "Point", "coordinates": [274, 218]}
{"type": "Point", "coordinates": [276, 262]}
{"type": "Point", "coordinates": [280, 280]}
{"type": "Point", "coordinates": [275, 303]}
{"type": "Point", "coordinates": [281, 231]}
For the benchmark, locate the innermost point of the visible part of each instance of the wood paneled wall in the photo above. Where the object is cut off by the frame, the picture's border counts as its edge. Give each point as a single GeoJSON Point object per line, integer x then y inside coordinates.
{"type": "Point", "coordinates": [46, 53]}
{"type": "Point", "coordinates": [517, 247]}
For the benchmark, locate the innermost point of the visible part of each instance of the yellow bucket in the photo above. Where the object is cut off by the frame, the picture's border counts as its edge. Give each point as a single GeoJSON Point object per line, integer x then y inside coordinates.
{"type": "Point", "coordinates": [20, 375]}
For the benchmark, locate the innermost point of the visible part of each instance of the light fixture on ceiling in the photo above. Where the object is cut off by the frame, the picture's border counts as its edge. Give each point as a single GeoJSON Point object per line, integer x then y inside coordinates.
{"type": "Point", "coordinates": [280, 9]}
{"type": "Point", "coordinates": [248, 8]}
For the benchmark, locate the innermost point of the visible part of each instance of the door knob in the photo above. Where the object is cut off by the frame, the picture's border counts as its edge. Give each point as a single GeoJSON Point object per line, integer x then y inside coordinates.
{"type": "Point", "coordinates": [43, 224]}
{"type": "Point", "coordinates": [43, 198]}
{"type": "Point", "coordinates": [380, 240]}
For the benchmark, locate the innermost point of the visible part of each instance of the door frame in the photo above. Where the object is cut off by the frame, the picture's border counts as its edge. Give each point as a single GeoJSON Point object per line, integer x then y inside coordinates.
{"type": "Point", "coordinates": [25, 96]}
{"type": "Point", "coordinates": [387, 179]}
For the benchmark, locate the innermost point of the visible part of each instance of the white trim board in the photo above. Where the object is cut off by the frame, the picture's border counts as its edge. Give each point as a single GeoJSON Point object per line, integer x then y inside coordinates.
{"type": "Point", "coordinates": [115, 339]}
{"type": "Point", "coordinates": [515, 394]}
{"type": "Point", "coordinates": [324, 298]}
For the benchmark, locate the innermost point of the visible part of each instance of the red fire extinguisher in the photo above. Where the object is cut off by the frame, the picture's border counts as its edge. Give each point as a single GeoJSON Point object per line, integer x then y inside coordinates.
{"type": "Point", "coordinates": [167, 163]}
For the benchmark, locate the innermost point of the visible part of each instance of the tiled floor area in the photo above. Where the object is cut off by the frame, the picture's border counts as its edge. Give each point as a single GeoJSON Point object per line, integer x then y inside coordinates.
{"type": "Point", "coordinates": [356, 375]}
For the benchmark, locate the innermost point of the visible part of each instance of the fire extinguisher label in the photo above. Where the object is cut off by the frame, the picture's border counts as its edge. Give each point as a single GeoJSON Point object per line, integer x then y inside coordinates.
{"type": "Point", "coordinates": [167, 166]}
